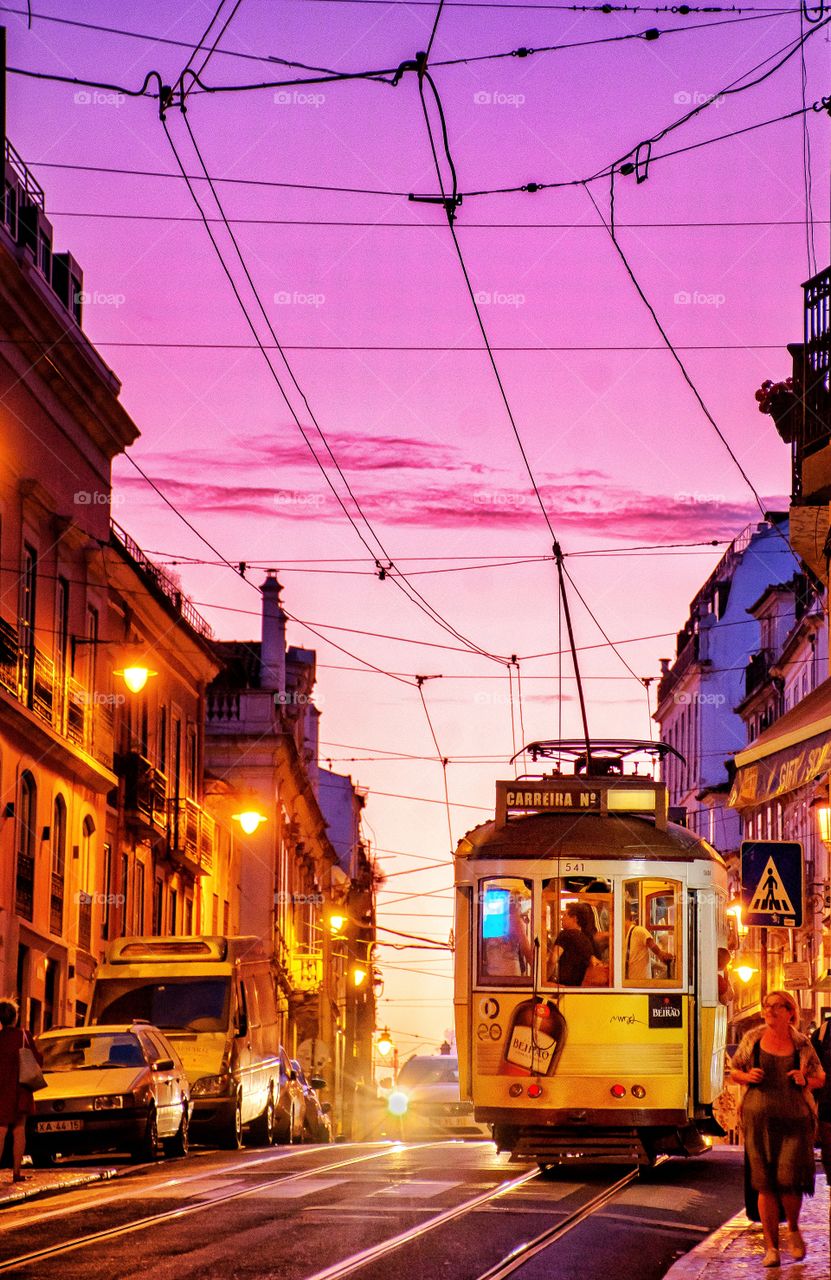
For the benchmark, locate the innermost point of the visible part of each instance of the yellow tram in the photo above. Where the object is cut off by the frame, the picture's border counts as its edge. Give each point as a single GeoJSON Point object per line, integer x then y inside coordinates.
{"type": "Point", "coordinates": [610, 1050]}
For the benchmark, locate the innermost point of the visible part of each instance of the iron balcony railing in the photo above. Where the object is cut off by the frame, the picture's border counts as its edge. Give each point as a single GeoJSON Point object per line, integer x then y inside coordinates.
{"type": "Point", "coordinates": [82, 716]}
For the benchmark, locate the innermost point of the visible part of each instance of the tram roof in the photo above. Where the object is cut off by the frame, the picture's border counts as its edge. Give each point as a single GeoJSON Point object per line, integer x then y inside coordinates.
{"type": "Point", "coordinates": [585, 835]}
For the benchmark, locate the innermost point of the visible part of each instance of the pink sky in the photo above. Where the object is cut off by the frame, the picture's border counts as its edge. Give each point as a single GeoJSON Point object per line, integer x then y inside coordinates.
{"type": "Point", "coordinates": [621, 451]}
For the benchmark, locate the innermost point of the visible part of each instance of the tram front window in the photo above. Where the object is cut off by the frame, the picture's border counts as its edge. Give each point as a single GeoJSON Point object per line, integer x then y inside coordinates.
{"type": "Point", "coordinates": [651, 944]}
{"type": "Point", "coordinates": [578, 919]}
{"type": "Point", "coordinates": [506, 948]}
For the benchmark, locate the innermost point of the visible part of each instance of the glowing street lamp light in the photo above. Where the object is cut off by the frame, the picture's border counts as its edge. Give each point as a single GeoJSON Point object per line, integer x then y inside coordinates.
{"type": "Point", "coordinates": [384, 1045]}
{"type": "Point", "coordinates": [249, 820]}
{"type": "Point", "coordinates": [336, 921]}
{"type": "Point", "coordinates": [359, 975]}
{"type": "Point", "coordinates": [744, 971]}
{"type": "Point", "coordinates": [823, 814]}
{"type": "Point", "coordinates": [135, 677]}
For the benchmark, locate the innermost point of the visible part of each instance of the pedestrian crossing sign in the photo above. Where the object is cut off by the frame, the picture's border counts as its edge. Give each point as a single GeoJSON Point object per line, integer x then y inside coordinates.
{"type": "Point", "coordinates": [772, 883]}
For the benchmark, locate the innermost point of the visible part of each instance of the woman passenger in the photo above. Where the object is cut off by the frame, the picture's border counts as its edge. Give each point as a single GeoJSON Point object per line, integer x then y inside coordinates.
{"type": "Point", "coordinates": [575, 947]}
{"type": "Point", "coordinates": [780, 1068]}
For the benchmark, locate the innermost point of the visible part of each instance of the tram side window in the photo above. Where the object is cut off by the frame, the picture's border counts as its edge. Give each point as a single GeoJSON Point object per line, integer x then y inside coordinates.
{"type": "Point", "coordinates": [578, 921]}
{"type": "Point", "coordinates": [652, 938]}
{"type": "Point", "coordinates": [506, 948]}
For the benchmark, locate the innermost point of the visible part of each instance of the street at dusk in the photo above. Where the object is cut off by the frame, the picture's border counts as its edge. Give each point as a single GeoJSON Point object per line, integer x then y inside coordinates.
{"type": "Point", "coordinates": [415, 713]}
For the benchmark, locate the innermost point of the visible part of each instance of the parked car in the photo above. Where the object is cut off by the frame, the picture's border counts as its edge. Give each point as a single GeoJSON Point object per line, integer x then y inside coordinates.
{"type": "Point", "coordinates": [291, 1102]}
{"type": "Point", "coordinates": [316, 1126]}
{"type": "Point", "coordinates": [426, 1102]}
{"type": "Point", "coordinates": [117, 1088]}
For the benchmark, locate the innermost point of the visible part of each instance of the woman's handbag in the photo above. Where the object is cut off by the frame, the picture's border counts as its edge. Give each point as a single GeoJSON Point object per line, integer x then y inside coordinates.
{"type": "Point", "coordinates": [597, 975]}
{"type": "Point", "coordinates": [30, 1077]}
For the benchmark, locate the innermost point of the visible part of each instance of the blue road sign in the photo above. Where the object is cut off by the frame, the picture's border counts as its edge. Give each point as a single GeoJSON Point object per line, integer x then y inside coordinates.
{"type": "Point", "coordinates": [772, 883]}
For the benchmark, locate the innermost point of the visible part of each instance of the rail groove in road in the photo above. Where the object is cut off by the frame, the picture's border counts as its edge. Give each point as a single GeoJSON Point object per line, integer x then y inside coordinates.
{"type": "Point", "coordinates": [523, 1253]}
{"type": "Point", "coordinates": [172, 1215]}
{"type": "Point", "coordinates": [376, 1251]}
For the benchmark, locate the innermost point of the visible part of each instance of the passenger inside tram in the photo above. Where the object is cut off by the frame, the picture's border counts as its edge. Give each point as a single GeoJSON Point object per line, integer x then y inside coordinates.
{"type": "Point", "coordinates": [578, 926]}
{"type": "Point", "coordinates": [507, 949]}
{"type": "Point", "coordinates": [649, 914]}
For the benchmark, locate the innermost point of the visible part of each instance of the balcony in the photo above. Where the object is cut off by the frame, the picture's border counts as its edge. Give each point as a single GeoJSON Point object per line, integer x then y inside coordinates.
{"type": "Point", "coordinates": [83, 719]}
{"type": "Point", "coordinates": [145, 791]}
{"type": "Point", "coordinates": [190, 833]}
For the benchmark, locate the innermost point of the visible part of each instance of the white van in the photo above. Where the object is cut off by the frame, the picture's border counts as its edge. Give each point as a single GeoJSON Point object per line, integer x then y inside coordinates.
{"type": "Point", "coordinates": [213, 997]}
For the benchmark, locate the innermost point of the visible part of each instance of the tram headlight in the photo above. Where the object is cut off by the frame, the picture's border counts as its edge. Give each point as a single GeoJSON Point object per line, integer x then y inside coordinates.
{"type": "Point", "coordinates": [638, 1091]}
{"type": "Point", "coordinates": [618, 1091]}
{"type": "Point", "coordinates": [397, 1103]}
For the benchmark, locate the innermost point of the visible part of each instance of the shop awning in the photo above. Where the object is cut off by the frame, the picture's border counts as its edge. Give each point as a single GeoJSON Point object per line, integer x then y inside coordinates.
{"type": "Point", "coordinates": [794, 751]}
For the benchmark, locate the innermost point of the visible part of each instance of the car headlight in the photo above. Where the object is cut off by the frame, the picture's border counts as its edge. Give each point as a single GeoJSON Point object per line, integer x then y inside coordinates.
{"type": "Point", "coordinates": [108, 1101]}
{"type": "Point", "coordinates": [397, 1103]}
{"type": "Point", "coordinates": [210, 1087]}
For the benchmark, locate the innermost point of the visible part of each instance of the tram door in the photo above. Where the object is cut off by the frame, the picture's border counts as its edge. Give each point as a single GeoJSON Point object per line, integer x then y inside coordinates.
{"type": "Point", "coordinates": [707, 920]}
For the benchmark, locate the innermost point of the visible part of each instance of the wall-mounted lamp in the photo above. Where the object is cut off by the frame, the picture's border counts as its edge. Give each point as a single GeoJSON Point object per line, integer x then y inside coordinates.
{"type": "Point", "coordinates": [249, 820]}
{"type": "Point", "coordinates": [384, 1044]}
{"type": "Point", "coordinates": [359, 975]}
{"type": "Point", "coordinates": [822, 813]}
{"type": "Point", "coordinates": [337, 921]}
{"type": "Point", "coordinates": [135, 677]}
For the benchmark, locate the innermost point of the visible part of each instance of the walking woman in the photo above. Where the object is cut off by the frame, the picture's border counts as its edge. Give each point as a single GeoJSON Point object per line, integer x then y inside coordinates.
{"type": "Point", "coordinates": [780, 1067]}
{"type": "Point", "coordinates": [15, 1101]}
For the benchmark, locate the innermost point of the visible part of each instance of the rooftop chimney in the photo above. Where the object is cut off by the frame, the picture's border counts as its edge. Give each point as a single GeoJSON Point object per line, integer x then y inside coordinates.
{"type": "Point", "coordinates": [273, 647]}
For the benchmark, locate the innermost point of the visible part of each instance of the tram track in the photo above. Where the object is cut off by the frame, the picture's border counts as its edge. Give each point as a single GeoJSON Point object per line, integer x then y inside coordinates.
{"type": "Point", "coordinates": [149, 1221]}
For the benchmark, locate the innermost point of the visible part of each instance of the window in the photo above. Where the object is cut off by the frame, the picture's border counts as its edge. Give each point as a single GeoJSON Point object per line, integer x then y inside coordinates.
{"type": "Point", "coordinates": [125, 886]}
{"type": "Point", "coordinates": [652, 938]}
{"type": "Point", "coordinates": [577, 914]}
{"type": "Point", "coordinates": [174, 909]}
{"type": "Point", "coordinates": [62, 627]}
{"type": "Point", "coordinates": [106, 901]}
{"type": "Point", "coordinates": [187, 926]}
{"type": "Point", "coordinates": [84, 896]}
{"type": "Point", "coordinates": [27, 614]}
{"type": "Point", "coordinates": [161, 746]}
{"type": "Point", "coordinates": [506, 949]}
{"type": "Point", "coordinates": [158, 899]}
{"type": "Point", "coordinates": [25, 861]}
{"type": "Point", "coordinates": [56, 891]}
{"type": "Point", "coordinates": [139, 897]}
{"type": "Point", "coordinates": [190, 763]}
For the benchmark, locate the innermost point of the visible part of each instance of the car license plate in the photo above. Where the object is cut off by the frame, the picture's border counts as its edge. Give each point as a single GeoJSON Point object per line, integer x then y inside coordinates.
{"type": "Point", "coordinates": [59, 1126]}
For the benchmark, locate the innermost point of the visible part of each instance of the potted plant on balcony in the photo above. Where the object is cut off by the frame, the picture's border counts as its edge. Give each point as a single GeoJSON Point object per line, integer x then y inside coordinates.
{"type": "Point", "coordinates": [779, 400]}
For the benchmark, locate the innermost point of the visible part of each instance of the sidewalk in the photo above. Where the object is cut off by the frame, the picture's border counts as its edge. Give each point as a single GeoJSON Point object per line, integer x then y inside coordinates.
{"type": "Point", "coordinates": [47, 1182]}
{"type": "Point", "coordinates": [735, 1250]}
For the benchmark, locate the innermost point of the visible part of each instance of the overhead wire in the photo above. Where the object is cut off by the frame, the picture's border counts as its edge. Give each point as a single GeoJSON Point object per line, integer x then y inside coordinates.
{"type": "Point", "coordinates": [379, 552]}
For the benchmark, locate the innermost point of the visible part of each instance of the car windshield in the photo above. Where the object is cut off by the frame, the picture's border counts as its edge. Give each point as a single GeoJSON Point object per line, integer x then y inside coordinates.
{"type": "Point", "coordinates": [91, 1052]}
{"type": "Point", "coordinates": [175, 1004]}
{"type": "Point", "coordinates": [419, 1071]}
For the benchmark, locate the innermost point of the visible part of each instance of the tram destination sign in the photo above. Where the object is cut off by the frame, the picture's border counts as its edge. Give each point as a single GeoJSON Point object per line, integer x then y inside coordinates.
{"type": "Point", "coordinates": [772, 883]}
{"type": "Point", "coordinates": [558, 795]}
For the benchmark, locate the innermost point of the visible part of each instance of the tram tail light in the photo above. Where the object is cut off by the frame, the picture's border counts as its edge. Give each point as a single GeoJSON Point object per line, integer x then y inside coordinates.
{"type": "Point", "coordinates": [535, 1090]}
{"type": "Point", "coordinates": [638, 1091]}
{"type": "Point", "coordinates": [618, 1091]}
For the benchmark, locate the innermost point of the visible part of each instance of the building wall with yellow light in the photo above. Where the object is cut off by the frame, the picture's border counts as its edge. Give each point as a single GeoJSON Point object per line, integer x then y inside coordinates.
{"type": "Point", "coordinates": [61, 424]}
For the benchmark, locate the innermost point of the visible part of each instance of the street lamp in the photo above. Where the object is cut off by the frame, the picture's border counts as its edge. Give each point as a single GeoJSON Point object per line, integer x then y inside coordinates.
{"type": "Point", "coordinates": [359, 975]}
{"type": "Point", "coordinates": [336, 921]}
{"type": "Point", "coordinates": [384, 1045]}
{"type": "Point", "coordinates": [249, 820]}
{"type": "Point", "coordinates": [135, 677]}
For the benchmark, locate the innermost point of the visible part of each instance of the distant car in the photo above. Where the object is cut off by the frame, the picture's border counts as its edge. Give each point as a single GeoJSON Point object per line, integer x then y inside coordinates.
{"type": "Point", "coordinates": [291, 1102]}
{"type": "Point", "coordinates": [317, 1125]}
{"type": "Point", "coordinates": [426, 1102]}
{"type": "Point", "coordinates": [117, 1088]}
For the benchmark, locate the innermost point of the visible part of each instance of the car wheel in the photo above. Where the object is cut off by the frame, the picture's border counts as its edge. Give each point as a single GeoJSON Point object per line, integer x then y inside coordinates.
{"type": "Point", "coordinates": [295, 1130]}
{"type": "Point", "coordinates": [43, 1159]}
{"type": "Point", "coordinates": [263, 1128]}
{"type": "Point", "coordinates": [179, 1144]}
{"type": "Point", "coordinates": [148, 1148]}
{"type": "Point", "coordinates": [231, 1139]}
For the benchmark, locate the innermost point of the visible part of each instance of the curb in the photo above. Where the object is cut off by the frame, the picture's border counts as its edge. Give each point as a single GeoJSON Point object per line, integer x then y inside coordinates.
{"type": "Point", "coordinates": [16, 1197]}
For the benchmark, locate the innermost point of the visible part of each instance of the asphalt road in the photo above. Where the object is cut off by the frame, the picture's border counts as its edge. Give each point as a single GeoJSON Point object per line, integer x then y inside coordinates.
{"type": "Point", "coordinates": [325, 1212]}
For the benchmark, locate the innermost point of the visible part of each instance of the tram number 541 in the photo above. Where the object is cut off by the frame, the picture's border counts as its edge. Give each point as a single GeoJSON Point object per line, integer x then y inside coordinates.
{"type": "Point", "coordinates": [572, 868]}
